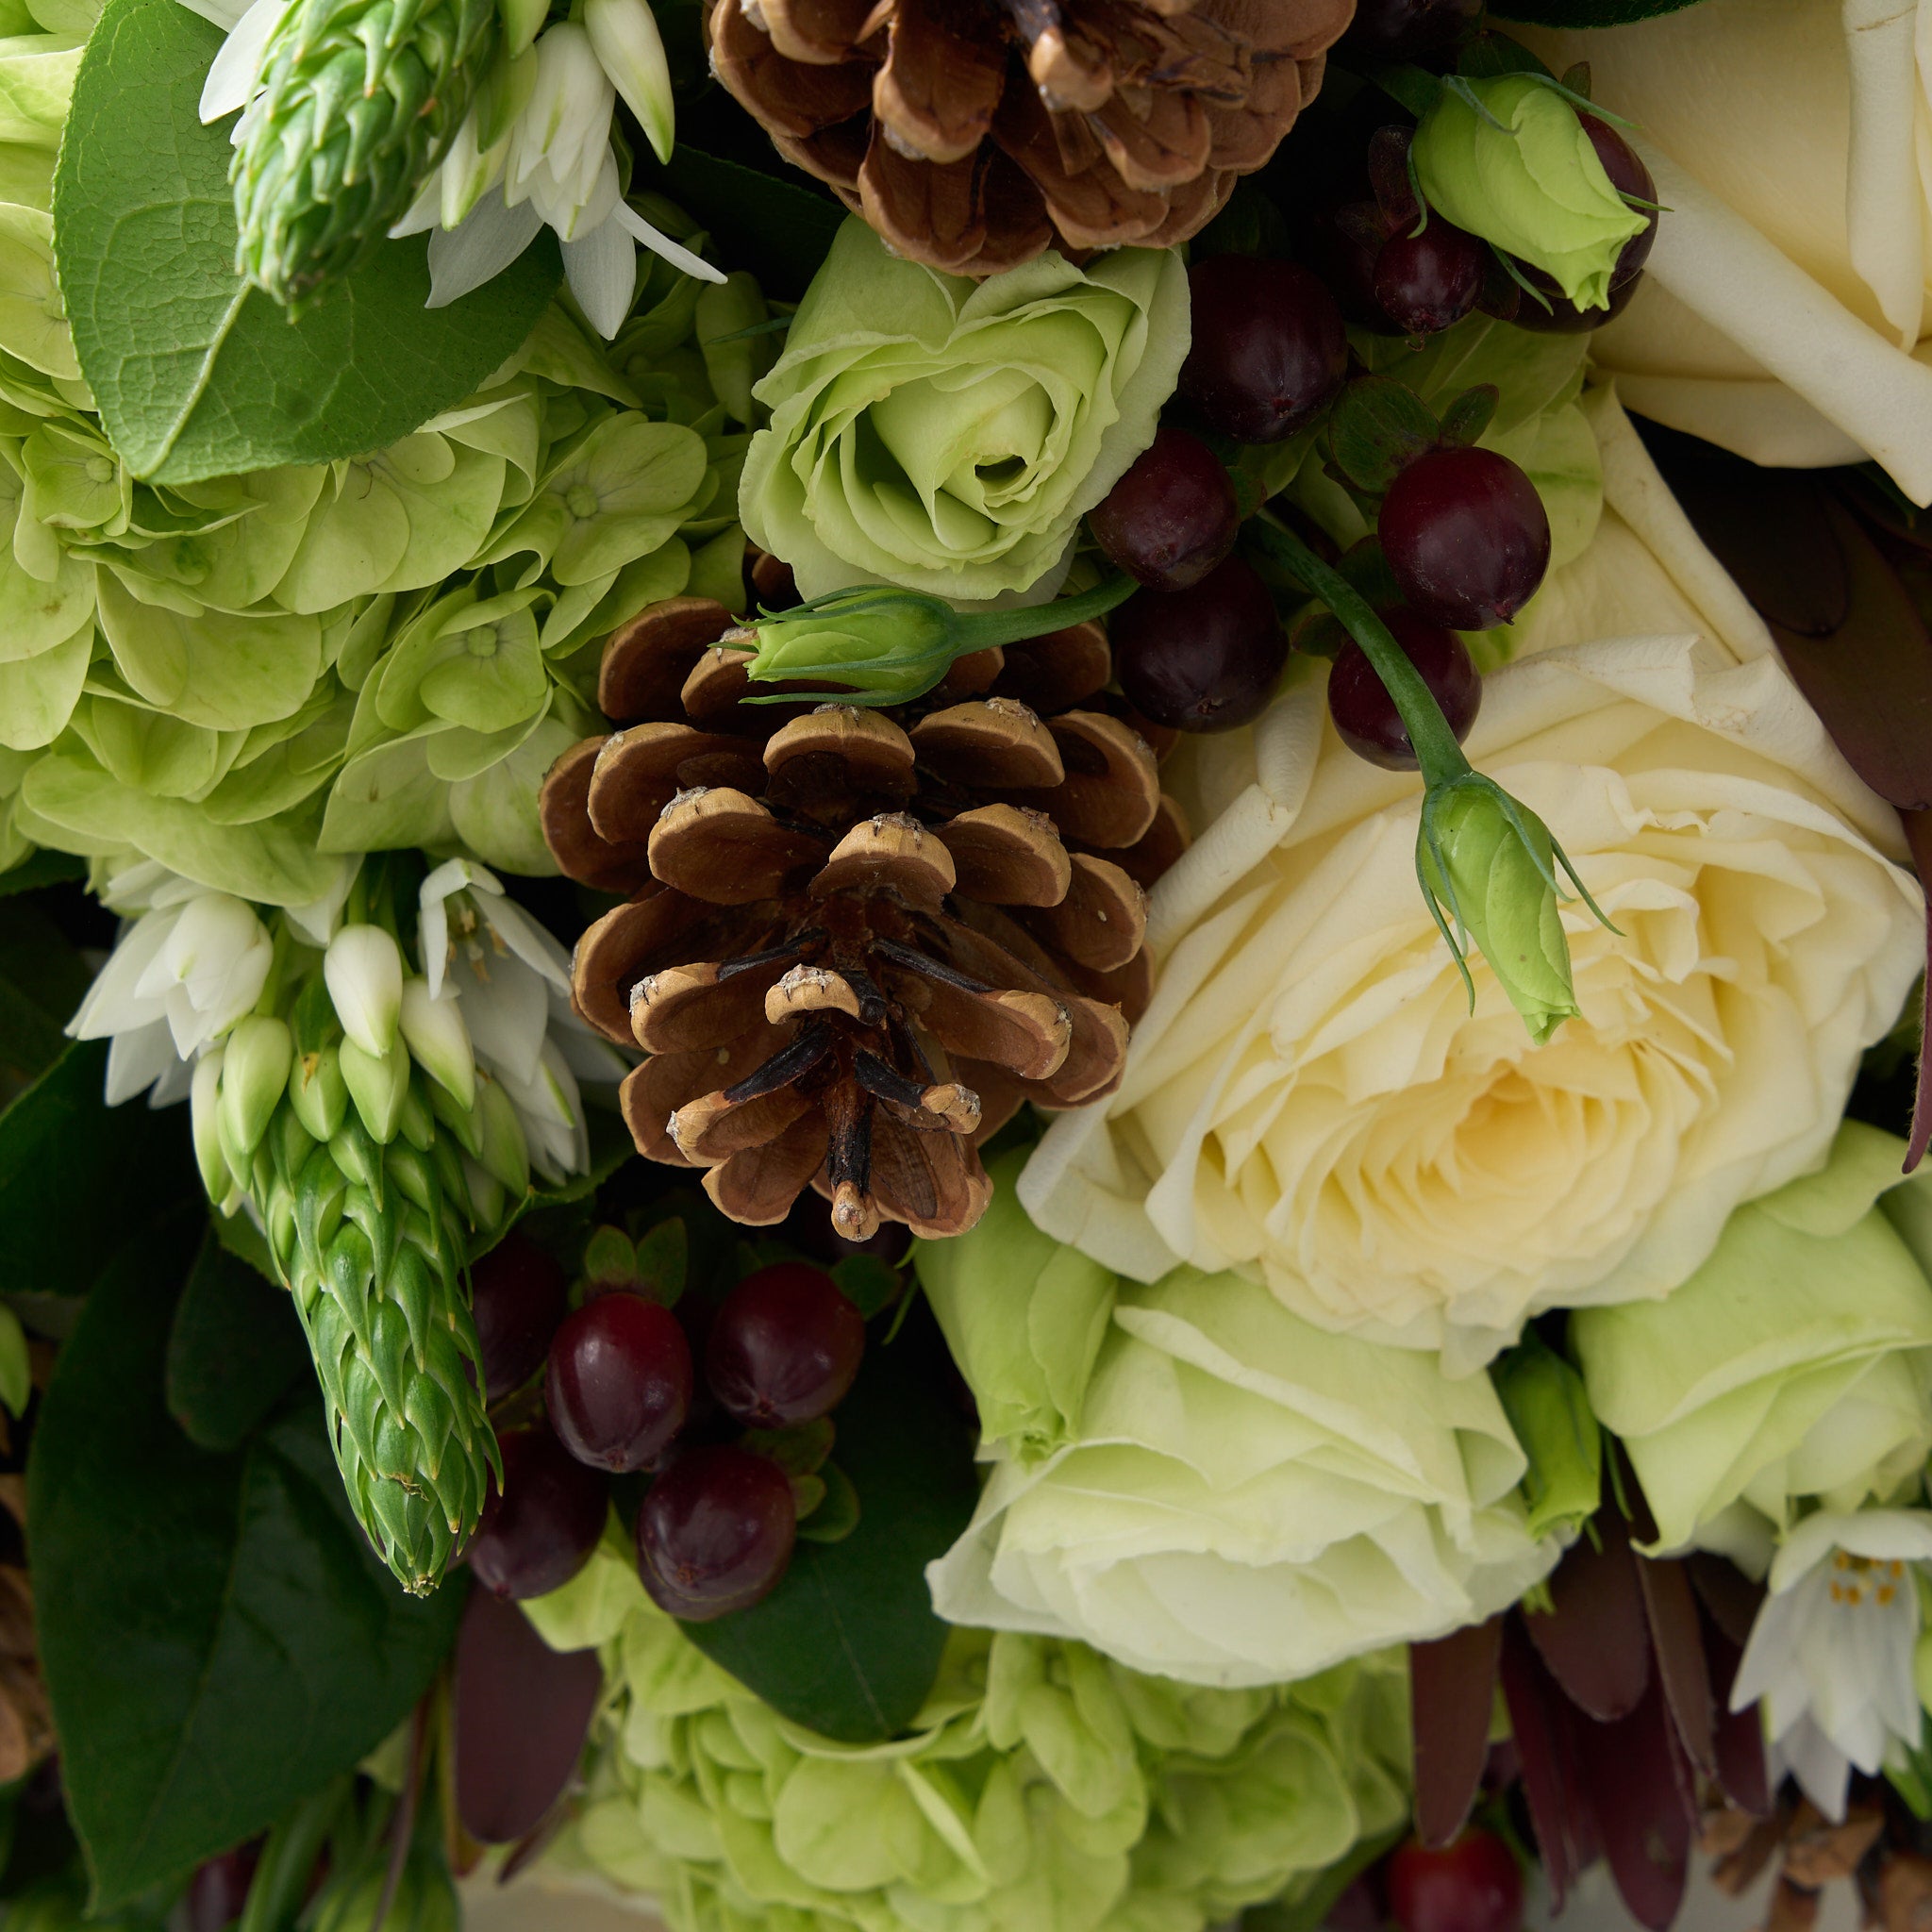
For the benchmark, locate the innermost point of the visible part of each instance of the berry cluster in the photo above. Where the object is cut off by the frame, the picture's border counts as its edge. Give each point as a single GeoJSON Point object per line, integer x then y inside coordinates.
{"type": "Point", "coordinates": [728, 1452]}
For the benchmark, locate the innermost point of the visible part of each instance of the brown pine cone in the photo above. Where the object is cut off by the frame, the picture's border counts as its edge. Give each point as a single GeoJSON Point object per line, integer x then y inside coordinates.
{"type": "Point", "coordinates": [858, 940]}
{"type": "Point", "coordinates": [974, 134]}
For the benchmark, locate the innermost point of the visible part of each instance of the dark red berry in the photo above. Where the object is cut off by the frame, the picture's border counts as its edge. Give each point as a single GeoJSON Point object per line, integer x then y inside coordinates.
{"type": "Point", "coordinates": [1471, 1886]}
{"type": "Point", "coordinates": [1631, 179]}
{"type": "Point", "coordinates": [715, 1532]}
{"type": "Point", "coordinates": [1172, 517]}
{"type": "Point", "coordinates": [1270, 352]}
{"type": "Point", "coordinates": [1205, 658]}
{"type": "Point", "coordinates": [1466, 537]}
{"type": "Point", "coordinates": [518, 1296]}
{"type": "Point", "coordinates": [1557, 315]}
{"type": "Point", "coordinates": [620, 1379]}
{"type": "Point", "coordinates": [785, 1346]}
{"type": "Point", "coordinates": [539, 1529]}
{"type": "Point", "coordinates": [1408, 30]}
{"type": "Point", "coordinates": [1430, 281]}
{"type": "Point", "coordinates": [1365, 714]}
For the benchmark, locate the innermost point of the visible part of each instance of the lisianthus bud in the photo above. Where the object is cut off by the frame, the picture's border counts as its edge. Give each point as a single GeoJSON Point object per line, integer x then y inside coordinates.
{"type": "Point", "coordinates": [255, 1074]}
{"type": "Point", "coordinates": [892, 645]}
{"type": "Point", "coordinates": [438, 1037]}
{"type": "Point", "coordinates": [379, 1083]}
{"type": "Point", "coordinates": [625, 34]}
{"type": "Point", "coordinates": [1549, 1409]}
{"type": "Point", "coordinates": [1507, 158]}
{"type": "Point", "coordinates": [1488, 863]}
{"type": "Point", "coordinates": [364, 968]}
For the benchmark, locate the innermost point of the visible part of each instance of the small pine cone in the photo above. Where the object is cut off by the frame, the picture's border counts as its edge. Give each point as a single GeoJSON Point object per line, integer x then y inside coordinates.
{"type": "Point", "coordinates": [858, 940]}
{"type": "Point", "coordinates": [974, 134]}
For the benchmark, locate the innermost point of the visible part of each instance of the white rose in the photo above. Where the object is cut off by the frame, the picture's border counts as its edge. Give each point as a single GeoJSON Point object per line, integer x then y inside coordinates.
{"type": "Point", "coordinates": [1251, 1500]}
{"type": "Point", "coordinates": [1785, 311]}
{"type": "Point", "coordinates": [1310, 1097]}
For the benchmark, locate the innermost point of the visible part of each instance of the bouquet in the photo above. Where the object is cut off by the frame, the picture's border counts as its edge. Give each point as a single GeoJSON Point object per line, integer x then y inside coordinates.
{"type": "Point", "coordinates": [963, 965]}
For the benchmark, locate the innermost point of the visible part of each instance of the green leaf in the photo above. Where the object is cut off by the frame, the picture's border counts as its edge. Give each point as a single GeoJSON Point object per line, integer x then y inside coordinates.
{"type": "Point", "coordinates": [781, 229]}
{"type": "Point", "coordinates": [195, 374]}
{"type": "Point", "coordinates": [42, 980]}
{"type": "Point", "coordinates": [1380, 426]}
{"type": "Point", "coordinates": [218, 1638]}
{"type": "Point", "coordinates": [869, 1282]}
{"type": "Point", "coordinates": [40, 869]}
{"type": "Point", "coordinates": [1587, 13]}
{"type": "Point", "coordinates": [77, 1178]}
{"type": "Point", "coordinates": [663, 1259]}
{"type": "Point", "coordinates": [848, 1644]}
{"type": "Point", "coordinates": [1469, 415]}
{"type": "Point", "coordinates": [235, 1348]}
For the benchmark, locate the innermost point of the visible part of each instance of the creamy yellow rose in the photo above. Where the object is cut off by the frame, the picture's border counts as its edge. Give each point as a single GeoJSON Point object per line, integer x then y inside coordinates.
{"type": "Point", "coordinates": [1310, 1098]}
{"type": "Point", "coordinates": [1784, 314]}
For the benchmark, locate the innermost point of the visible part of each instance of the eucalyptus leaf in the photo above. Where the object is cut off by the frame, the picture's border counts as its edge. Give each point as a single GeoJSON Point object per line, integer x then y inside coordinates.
{"type": "Point", "coordinates": [218, 1638]}
{"type": "Point", "coordinates": [196, 374]}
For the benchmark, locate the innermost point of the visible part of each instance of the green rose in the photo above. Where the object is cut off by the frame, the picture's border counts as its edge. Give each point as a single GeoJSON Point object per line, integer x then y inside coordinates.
{"type": "Point", "coordinates": [1040, 1790]}
{"type": "Point", "coordinates": [1520, 171]}
{"type": "Point", "coordinates": [949, 434]}
{"type": "Point", "coordinates": [1795, 1364]}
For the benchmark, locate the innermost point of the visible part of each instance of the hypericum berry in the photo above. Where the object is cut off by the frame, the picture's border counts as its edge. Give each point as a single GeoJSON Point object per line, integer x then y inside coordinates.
{"type": "Point", "coordinates": [1172, 517]}
{"type": "Point", "coordinates": [785, 1346]}
{"type": "Point", "coordinates": [715, 1533]}
{"type": "Point", "coordinates": [518, 1294]}
{"type": "Point", "coordinates": [1429, 281]}
{"type": "Point", "coordinates": [1466, 537]}
{"type": "Point", "coordinates": [538, 1530]}
{"type": "Point", "coordinates": [1365, 714]}
{"type": "Point", "coordinates": [1471, 1886]}
{"type": "Point", "coordinates": [620, 1379]}
{"type": "Point", "coordinates": [1205, 658]}
{"type": "Point", "coordinates": [1270, 352]}
{"type": "Point", "coordinates": [1408, 30]}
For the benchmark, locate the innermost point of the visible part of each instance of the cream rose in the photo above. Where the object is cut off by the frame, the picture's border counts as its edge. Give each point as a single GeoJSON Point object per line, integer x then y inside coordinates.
{"type": "Point", "coordinates": [1785, 312]}
{"type": "Point", "coordinates": [1311, 1100]}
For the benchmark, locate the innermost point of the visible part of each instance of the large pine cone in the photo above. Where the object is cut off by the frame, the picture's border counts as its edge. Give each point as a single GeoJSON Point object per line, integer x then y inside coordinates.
{"type": "Point", "coordinates": [858, 940]}
{"type": "Point", "coordinates": [974, 134]}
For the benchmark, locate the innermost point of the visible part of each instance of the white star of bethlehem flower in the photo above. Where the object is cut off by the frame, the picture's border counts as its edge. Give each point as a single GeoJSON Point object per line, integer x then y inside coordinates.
{"type": "Point", "coordinates": [534, 150]}
{"type": "Point", "coordinates": [1830, 1655]}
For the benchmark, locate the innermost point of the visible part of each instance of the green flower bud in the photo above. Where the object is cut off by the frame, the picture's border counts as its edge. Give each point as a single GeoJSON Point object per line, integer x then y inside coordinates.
{"type": "Point", "coordinates": [1486, 861]}
{"type": "Point", "coordinates": [255, 1074]}
{"type": "Point", "coordinates": [504, 1153]}
{"type": "Point", "coordinates": [1519, 171]}
{"type": "Point", "coordinates": [378, 1084]}
{"type": "Point", "coordinates": [1549, 1409]}
{"type": "Point", "coordinates": [203, 1105]}
{"type": "Point", "coordinates": [893, 645]}
{"type": "Point", "coordinates": [439, 1040]}
{"type": "Point", "coordinates": [317, 1092]}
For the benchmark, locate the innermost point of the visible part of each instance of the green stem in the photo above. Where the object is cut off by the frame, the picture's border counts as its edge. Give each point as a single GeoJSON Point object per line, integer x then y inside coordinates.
{"type": "Point", "coordinates": [989, 628]}
{"type": "Point", "coordinates": [1429, 734]}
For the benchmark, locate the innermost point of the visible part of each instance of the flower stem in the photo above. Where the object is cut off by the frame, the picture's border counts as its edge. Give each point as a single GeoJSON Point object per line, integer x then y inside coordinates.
{"type": "Point", "coordinates": [1429, 734]}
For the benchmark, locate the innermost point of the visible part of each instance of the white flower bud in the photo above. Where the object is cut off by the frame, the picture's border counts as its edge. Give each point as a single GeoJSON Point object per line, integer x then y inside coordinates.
{"type": "Point", "coordinates": [625, 34]}
{"type": "Point", "coordinates": [505, 1153]}
{"type": "Point", "coordinates": [436, 1035]}
{"type": "Point", "coordinates": [255, 1075]}
{"type": "Point", "coordinates": [378, 1084]}
{"type": "Point", "coordinates": [202, 1108]}
{"type": "Point", "coordinates": [210, 969]}
{"type": "Point", "coordinates": [364, 968]}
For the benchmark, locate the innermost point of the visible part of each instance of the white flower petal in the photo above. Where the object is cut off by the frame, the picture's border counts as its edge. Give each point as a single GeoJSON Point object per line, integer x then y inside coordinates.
{"type": "Point", "coordinates": [136, 1060]}
{"type": "Point", "coordinates": [603, 271]}
{"type": "Point", "coordinates": [660, 244]}
{"type": "Point", "coordinates": [481, 250]}
{"type": "Point", "coordinates": [231, 79]}
{"type": "Point", "coordinates": [507, 1013]}
{"type": "Point", "coordinates": [114, 1003]}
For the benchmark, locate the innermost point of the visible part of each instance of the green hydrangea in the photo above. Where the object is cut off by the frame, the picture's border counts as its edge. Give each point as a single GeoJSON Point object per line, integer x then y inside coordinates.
{"type": "Point", "coordinates": [241, 677]}
{"type": "Point", "coordinates": [1040, 1790]}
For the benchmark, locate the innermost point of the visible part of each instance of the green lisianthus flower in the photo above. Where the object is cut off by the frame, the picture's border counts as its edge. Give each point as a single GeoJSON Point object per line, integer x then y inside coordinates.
{"type": "Point", "coordinates": [1040, 1790]}
{"type": "Point", "coordinates": [948, 435]}
{"type": "Point", "coordinates": [1507, 159]}
{"type": "Point", "coordinates": [1795, 1365]}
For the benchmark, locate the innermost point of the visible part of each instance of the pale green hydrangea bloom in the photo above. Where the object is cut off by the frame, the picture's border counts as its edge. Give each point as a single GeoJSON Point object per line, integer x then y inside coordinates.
{"type": "Point", "coordinates": [242, 677]}
{"type": "Point", "coordinates": [1040, 1790]}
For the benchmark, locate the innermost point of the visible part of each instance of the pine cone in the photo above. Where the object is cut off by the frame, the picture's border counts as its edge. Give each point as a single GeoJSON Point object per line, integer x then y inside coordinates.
{"type": "Point", "coordinates": [858, 939]}
{"type": "Point", "coordinates": [974, 134]}
{"type": "Point", "coordinates": [360, 101]}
